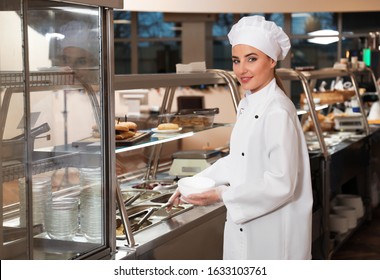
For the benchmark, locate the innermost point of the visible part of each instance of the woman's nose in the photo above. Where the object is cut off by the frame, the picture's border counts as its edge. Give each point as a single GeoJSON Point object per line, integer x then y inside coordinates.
{"type": "Point", "coordinates": [241, 69]}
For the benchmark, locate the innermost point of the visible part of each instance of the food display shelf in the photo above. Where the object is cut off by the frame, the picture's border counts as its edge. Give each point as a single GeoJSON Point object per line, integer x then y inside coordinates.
{"type": "Point", "coordinates": [161, 138]}
{"type": "Point", "coordinates": [326, 73]}
{"type": "Point", "coordinates": [170, 82]}
{"type": "Point", "coordinates": [37, 79]}
{"type": "Point", "coordinates": [294, 75]}
{"type": "Point", "coordinates": [48, 161]}
{"type": "Point", "coordinates": [346, 158]}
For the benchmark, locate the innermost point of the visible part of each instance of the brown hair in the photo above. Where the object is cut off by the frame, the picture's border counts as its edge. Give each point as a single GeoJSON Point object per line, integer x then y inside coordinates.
{"type": "Point", "coordinates": [279, 81]}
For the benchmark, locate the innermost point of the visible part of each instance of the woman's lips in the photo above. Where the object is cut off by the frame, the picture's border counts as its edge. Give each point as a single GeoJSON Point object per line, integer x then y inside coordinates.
{"type": "Point", "coordinates": [245, 80]}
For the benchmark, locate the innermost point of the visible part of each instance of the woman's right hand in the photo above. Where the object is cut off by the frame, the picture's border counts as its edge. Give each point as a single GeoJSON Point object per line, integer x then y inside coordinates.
{"type": "Point", "coordinates": [174, 200]}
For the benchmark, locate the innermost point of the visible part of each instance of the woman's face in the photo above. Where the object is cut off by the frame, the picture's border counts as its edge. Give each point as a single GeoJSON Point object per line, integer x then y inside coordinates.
{"type": "Point", "coordinates": [253, 68]}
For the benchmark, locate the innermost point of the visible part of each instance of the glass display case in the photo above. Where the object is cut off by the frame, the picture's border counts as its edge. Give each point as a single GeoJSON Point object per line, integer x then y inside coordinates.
{"type": "Point", "coordinates": [339, 131]}
{"type": "Point", "coordinates": [56, 177]}
{"type": "Point", "coordinates": [145, 229]}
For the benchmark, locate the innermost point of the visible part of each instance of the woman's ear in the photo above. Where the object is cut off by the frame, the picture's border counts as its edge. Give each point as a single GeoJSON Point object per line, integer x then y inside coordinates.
{"type": "Point", "coordinates": [273, 63]}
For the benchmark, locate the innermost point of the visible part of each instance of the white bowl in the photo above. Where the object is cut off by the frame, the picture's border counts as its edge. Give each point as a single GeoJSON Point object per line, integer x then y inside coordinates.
{"type": "Point", "coordinates": [352, 201]}
{"type": "Point", "coordinates": [338, 223]}
{"type": "Point", "coordinates": [348, 212]}
{"type": "Point", "coordinates": [195, 184]}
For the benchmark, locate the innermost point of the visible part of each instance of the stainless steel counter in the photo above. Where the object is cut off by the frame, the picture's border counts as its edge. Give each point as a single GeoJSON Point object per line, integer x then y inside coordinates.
{"type": "Point", "coordinates": [194, 234]}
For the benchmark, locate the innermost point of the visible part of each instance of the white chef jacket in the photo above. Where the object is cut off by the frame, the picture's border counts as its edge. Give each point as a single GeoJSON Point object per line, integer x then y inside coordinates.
{"type": "Point", "coordinates": [269, 200]}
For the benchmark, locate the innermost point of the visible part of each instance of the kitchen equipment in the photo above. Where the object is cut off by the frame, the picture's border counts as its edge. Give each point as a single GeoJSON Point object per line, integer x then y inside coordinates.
{"type": "Point", "coordinates": [191, 162]}
{"type": "Point", "coordinates": [136, 226]}
{"type": "Point", "coordinates": [349, 122]}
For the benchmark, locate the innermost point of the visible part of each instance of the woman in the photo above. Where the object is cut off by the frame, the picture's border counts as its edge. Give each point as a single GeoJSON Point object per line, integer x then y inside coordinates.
{"type": "Point", "coordinates": [265, 180]}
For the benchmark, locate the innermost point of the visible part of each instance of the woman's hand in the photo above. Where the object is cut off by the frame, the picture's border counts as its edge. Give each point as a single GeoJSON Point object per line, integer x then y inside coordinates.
{"type": "Point", "coordinates": [205, 198]}
{"type": "Point", "coordinates": [174, 200]}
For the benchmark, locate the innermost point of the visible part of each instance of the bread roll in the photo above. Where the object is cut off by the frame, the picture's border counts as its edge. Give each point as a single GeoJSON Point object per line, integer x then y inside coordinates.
{"type": "Point", "coordinates": [126, 126]}
{"type": "Point", "coordinates": [125, 130]}
{"type": "Point", "coordinates": [167, 126]}
{"type": "Point", "coordinates": [122, 135]}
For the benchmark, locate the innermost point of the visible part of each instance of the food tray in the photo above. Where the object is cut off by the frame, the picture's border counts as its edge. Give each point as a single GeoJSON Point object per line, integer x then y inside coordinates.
{"type": "Point", "coordinates": [329, 97]}
{"type": "Point", "coordinates": [192, 118]}
{"type": "Point", "coordinates": [130, 141]}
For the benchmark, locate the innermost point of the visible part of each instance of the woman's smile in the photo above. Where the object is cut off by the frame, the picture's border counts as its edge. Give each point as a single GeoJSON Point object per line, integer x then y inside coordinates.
{"type": "Point", "coordinates": [245, 80]}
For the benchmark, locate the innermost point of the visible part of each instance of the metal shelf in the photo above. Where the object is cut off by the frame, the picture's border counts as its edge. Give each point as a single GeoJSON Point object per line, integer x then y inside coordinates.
{"type": "Point", "coordinates": [294, 75]}
{"type": "Point", "coordinates": [123, 82]}
{"type": "Point", "coordinates": [314, 75]}
{"type": "Point", "coordinates": [13, 79]}
{"type": "Point", "coordinates": [156, 138]}
{"type": "Point", "coordinates": [44, 161]}
{"type": "Point", "coordinates": [309, 80]}
{"type": "Point", "coordinates": [170, 82]}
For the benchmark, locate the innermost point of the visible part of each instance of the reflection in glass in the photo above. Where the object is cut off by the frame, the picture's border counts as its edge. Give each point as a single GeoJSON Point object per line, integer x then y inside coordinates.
{"type": "Point", "coordinates": [308, 54]}
{"type": "Point", "coordinates": [48, 143]}
{"type": "Point", "coordinates": [151, 25]}
{"type": "Point", "coordinates": [159, 57]}
{"type": "Point", "coordinates": [304, 23]}
{"type": "Point", "coordinates": [122, 58]}
{"type": "Point", "coordinates": [12, 151]}
{"type": "Point", "coordinates": [122, 24]}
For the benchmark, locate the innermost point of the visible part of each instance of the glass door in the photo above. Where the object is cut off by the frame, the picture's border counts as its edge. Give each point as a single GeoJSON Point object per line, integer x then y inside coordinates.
{"type": "Point", "coordinates": [53, 169]}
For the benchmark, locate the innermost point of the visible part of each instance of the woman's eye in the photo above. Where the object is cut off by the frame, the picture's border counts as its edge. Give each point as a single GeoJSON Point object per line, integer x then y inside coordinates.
{"type": "Point", "coordinates": [252, 59]}
{"type": "Point", "coordinates": [235, 61]}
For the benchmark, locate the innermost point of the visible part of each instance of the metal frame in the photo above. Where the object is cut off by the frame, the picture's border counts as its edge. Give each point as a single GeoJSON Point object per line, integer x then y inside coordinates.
{"type": "Point", "coordinates": [313, 75]}
{"type": "Point", "coordinates": [170, 82]}
{"type": "Point", "coordinates": [30, 81]}
{"type": "Point", "coordinates": [309, 79]}
{"type": "Point", "coordinates": [294, 75]}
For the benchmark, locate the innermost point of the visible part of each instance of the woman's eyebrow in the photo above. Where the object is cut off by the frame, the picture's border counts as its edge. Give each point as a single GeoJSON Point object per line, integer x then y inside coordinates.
{"type": "Point", "coordinates": [246, 55]}
{"type": "Point", "coordinates": [249, 54]}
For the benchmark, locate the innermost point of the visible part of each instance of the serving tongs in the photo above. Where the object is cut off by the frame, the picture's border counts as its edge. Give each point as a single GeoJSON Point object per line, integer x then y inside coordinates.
{"type": "Point", "coordinates": [129, 201]}
{"type": "Point", "coordinates": [149, 212]}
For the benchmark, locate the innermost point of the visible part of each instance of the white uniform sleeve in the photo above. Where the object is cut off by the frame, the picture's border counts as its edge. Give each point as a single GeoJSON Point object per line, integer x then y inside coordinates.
{"type": "Point", "coordinates": [218, 171]}
{"type": "Point", "coordinates": [276, 186]}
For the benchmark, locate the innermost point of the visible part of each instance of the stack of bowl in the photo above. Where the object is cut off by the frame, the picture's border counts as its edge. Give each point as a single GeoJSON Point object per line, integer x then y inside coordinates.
{"type": "Point", "coordinates": [351, 200]}
{"type": "Point", "coordinates": [338, 223]}
{"type": "Point", "coordinates": [348, 212]}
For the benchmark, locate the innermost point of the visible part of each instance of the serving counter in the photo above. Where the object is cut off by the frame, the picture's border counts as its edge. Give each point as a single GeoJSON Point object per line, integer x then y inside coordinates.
{"type": "Point", "coordinates": [194, 234]}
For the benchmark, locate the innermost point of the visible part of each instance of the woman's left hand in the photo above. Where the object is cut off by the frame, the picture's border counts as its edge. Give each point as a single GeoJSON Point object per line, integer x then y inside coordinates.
{"type": "Point", "coordinates": [205, 198]}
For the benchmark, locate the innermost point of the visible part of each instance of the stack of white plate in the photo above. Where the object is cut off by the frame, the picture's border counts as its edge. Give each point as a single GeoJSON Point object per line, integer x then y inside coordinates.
{"type": "Point", "coordinates": [41, 193]}
{"type": "Point", "coordinates": [352, 200]}
{"type": "Point", "coordinates": [91, 202]}
{"type": "Point", "coordinates": [338, 223]}
{"type": "Point", "coordinates": [348, 212]}
{"type": "Point", "coordinates": [61, 218]}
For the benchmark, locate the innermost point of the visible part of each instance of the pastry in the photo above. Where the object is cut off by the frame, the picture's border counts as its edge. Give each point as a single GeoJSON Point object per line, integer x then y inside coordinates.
{"type": "Point", "coordinates": [168, 126]}
{"type": "Point", "coordinates": [125, 130]}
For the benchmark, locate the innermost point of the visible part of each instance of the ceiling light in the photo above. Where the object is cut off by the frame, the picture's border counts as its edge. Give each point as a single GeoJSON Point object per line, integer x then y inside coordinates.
{"type": "Point", "coordinates": [325, 37]}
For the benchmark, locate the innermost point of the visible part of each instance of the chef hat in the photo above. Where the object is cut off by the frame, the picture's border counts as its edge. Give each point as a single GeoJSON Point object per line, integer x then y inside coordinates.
{"type": "Point", "coordinates": [81, 35]}
{"type": "Point", "coordinates": [261, 34]}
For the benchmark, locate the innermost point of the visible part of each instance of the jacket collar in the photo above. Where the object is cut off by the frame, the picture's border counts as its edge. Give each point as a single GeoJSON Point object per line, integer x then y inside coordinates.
{"type": "Point", "coordinates": [259, 96]}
